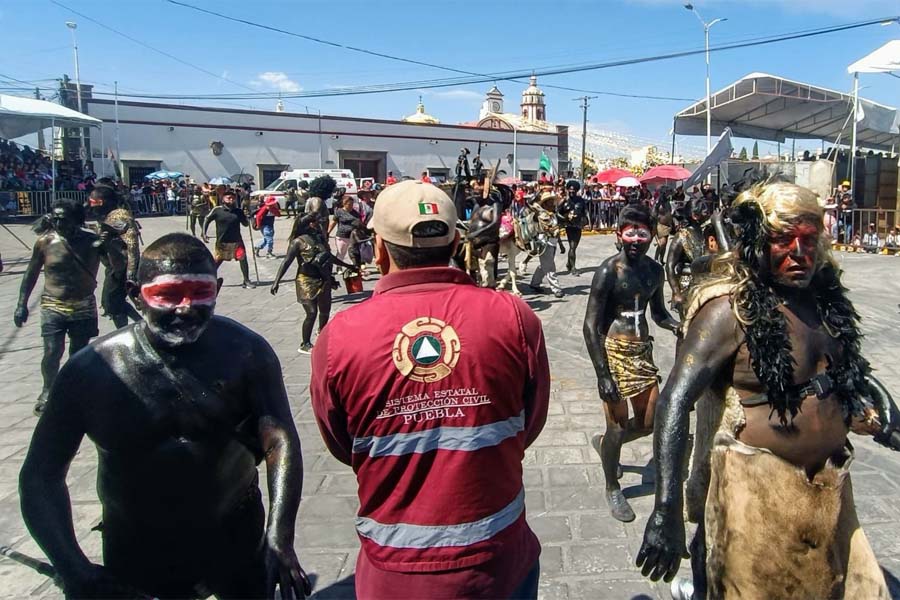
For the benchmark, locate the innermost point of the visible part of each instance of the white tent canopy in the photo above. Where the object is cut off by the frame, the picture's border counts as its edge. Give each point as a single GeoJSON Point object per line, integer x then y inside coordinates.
{"type": "Point", "coordinates": [21, 116]}
{"type": "Point", "coordinates": [884, 60]}
{"type": "Point", "coordinates": [766, 107]}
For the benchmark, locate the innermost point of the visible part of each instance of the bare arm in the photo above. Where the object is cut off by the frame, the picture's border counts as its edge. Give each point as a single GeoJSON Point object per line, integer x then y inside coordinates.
{"type": "Point", "coordinates": [284, 472]}
{"type": "Point", "coordinates": [658, 310]}
{"type": "Point", "coordinates": [29, 280]}
{"type": "Point", "coordinates": [711, 341]}
{"type": "Point", "coordinates": [293, 252]}
{"type": "Point", "coordinates": [601, 287]}
{"type": "Point", "coordinates": [42, 482]}
{"type": "Point", "coordinates": [676, 252]}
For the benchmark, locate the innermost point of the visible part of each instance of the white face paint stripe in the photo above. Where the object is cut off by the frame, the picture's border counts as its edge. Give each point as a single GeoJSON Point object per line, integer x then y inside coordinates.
{"type": "Point", "coordinates": [187, 278]}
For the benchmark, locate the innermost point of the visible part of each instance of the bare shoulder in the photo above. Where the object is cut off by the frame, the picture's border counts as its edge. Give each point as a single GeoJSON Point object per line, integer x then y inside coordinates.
{"type": "Point", "coordinates": [226, 335]}
{"type": "Point", "coordinates": [605, 272]}
{"type": "Point", "coordinates": [715, 321]}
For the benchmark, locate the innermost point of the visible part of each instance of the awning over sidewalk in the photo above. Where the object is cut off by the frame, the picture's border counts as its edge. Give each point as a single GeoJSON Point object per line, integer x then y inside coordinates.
{"type": "Point", "coordinates": [20, 116]}
{"type": "Point", "coordinates": [767, 107]}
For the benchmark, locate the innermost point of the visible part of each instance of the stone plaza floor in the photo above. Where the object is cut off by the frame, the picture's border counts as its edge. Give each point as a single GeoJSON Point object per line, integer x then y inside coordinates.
{"type": "Point", "coordinates": [586, 554]}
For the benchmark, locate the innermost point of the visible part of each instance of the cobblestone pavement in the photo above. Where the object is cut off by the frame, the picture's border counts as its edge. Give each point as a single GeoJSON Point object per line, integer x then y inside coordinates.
{"type": "Point", "coordinates": [586, 554]}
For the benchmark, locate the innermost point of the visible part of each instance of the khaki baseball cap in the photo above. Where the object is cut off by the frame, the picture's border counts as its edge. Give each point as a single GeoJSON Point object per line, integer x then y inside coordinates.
{"type": "Point", "coordinates": [403, 206]}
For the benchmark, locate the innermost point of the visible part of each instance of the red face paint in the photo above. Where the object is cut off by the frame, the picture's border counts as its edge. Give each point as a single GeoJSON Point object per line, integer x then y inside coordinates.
{"type": "Point", "coordinates": [168, 292]}
{"type": "Point", "coordinates": [793, 253]}
{"type": "Point", "coordinates": [635, 235]}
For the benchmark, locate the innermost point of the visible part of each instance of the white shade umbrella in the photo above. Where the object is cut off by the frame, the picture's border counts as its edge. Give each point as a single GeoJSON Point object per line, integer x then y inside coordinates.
{"type": "Point", "coordinates": [628, 182]}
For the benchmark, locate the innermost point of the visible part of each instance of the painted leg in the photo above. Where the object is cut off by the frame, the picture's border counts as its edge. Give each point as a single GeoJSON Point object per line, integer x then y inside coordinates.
{"type": "Point", "coordinates": [245, 271]}
{"type": "Point", "coordinates": [54, 346]}
{"type": "Point", "coordinates": [610, 453]}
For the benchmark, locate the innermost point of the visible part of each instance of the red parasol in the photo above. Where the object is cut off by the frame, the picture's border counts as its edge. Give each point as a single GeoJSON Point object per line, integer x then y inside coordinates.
{"type": "Point", "coordinates": [612, 175]}
{"type": "Point", "coordinates": [664, 173]}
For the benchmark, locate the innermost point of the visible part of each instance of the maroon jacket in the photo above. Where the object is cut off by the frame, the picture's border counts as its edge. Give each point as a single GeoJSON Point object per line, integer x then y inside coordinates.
{"type": "Point", "coordinates": [431, 391]}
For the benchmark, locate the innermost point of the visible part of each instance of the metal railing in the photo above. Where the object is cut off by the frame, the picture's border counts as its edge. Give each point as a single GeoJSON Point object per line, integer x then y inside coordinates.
{"type": "Point", "coordinates": [865, 230]}
{"type": "Point", "coordinates": [38, 203]}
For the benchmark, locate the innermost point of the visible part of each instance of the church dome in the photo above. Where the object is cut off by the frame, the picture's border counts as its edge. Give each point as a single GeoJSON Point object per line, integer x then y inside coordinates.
{"type": "Point", "coordinates": [533, 89]}
{"type": "Point", "coordinates": [421, 117]}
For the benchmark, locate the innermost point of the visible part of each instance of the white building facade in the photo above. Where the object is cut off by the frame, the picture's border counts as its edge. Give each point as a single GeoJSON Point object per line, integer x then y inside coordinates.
{"type": "Point", "coordinates": [207, 142]}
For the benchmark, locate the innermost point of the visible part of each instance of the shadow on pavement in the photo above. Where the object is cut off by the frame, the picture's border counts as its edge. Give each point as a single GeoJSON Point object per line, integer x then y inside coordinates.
{"type": "Point", "coordinates": [893, 584]}
{"type": "Point", "coordinates": [345, 588]}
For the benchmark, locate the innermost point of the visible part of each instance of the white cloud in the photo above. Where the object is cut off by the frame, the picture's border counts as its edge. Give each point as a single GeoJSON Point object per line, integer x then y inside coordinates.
{"type": "Point", "coordinates": [277, 80]}
{"type": "Point", "coordinates": [457, 95]}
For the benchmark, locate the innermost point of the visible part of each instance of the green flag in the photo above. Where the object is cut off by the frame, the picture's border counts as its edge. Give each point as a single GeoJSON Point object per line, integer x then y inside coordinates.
{"type": "Point", "coordinates": [545, 164]}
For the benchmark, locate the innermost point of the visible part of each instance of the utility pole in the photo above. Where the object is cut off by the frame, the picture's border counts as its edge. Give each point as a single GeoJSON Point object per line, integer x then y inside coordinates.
{"type": "Point", "coordinates": [82, 150]}
{"type": "Point", "coordinates": [584, 108]}
{"type": "Point", "coordinates": [41, 143]}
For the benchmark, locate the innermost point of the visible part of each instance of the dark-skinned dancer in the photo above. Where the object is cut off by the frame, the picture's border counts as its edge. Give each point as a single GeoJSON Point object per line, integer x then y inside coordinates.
{"type": "Point", "coordinates": [776, 340]}
{"type": "Point", "coordinates": [307, 246]}
{"type": "Point", "coordinates": [182, 407]}
{"type": "Point", "coordinates": [229, 244]}
{"type": "Point", "coordinates": [620, 346]}
{"type": "Point", "coordinates": [572, 213]}
{"type": "Point", "coordinates": [665, 221]}
{"type": "Point", "coordinates": [121, 235]}
{"type": "Point", "coordinates": [70, 257]}
{"type": "Point", "coordinates": [686, 247]}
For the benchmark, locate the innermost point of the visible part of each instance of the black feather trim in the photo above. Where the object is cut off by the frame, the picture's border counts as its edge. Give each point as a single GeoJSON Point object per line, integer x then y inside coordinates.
{"type": "Point", "coordinates": [770, 347]}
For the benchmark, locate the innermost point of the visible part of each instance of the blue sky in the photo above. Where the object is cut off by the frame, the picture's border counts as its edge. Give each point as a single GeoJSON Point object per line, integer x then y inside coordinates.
{"type": "Point", "coordinates": [482, 37]}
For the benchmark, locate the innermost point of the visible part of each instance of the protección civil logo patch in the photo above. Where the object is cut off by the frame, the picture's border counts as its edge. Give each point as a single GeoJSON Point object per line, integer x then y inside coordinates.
{"type": "Point", "coordinates": [426, 350]}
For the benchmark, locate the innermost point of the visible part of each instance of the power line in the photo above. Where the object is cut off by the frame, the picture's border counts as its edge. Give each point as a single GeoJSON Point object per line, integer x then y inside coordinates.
{"type": "Point", "coordinates": [149, 47]}
{"type": "Point", "coordinates": [448, 82]}
{"type": "Point", "coordinates": [495, 76]}
{"type": "Point", "coordinates": [489, 77]}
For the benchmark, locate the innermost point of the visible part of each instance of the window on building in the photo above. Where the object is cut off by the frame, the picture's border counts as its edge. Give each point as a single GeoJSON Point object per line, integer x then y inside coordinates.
{"type": "Point", "coordinates": [527, 175]}
{"type": "Point", "coordinates": [441, 174]}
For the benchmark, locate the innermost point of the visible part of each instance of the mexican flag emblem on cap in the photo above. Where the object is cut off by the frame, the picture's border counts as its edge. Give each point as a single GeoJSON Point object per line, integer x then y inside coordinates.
{"type": "Point", "coordinates": [428, 208]}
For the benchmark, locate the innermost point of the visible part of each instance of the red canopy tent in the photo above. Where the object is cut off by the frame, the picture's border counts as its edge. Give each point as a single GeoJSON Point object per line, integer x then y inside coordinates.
{"type": "Point", "coordinates": [664, 173]}
{"type": "Point", "coordinates": [612, 175]}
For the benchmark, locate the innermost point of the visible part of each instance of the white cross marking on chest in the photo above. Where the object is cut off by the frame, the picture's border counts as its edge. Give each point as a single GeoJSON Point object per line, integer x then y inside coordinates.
{"type": "Point", "coordinates": [636, 314]}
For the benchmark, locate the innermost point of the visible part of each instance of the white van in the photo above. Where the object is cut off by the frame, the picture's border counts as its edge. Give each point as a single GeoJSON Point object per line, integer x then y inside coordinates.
{"type": "Point", "coordinates": [290, 180]}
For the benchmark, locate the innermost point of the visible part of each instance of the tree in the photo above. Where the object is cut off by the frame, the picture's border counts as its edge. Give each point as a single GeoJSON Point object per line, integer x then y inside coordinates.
{"type": "Point", "coordinates": [755, 150]}
{"type": "Point", "coordinates": [590, 167]}
{"type": "Point", "coordinates": [654, 158]}
{"type": "Point", "coordinates": [743, 154]}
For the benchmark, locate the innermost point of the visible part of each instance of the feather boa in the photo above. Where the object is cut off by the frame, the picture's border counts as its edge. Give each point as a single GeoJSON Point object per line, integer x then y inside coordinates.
{"type": "Point", "coordinates": [767, 336]}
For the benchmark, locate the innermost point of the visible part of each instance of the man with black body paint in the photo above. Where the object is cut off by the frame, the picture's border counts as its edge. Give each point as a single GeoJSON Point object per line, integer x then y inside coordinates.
{"type": "Point", "coordinates": [182, 407]}
{"type": "Point", "coordinates": [229, 244]}
{"type": "Point", "coordinates": [620, 346]}
{"type": "Point", "coordinates": [120, 232]}
{"type": "Point", "coordinates": [572, 213]}
{"type": "Point", "coordinates": [687, 247]}
{"type": "Point", "coordinates": [774, 339]}
{"type": "Point", "coordinates": [70, 257]}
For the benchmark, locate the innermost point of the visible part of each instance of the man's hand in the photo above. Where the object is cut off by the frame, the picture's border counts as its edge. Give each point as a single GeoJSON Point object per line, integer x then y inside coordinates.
{"type": "Point", "coordinates": [20, 316]}
{"type": "Point", "coordinates": [677, 302]}
{"type": "Point", "coordinates": [608, 391]}
{"type": "Point", "coordinates": [274, 289]}
{"type": "Point", "coordinates": [284, 571]}
{"type": "Point", "coordinates": [97, 582]}
{"type": "Point", "coordinates": [663, 547]}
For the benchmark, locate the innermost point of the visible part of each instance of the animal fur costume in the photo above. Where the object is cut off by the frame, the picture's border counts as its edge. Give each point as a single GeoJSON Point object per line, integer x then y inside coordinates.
{"type": "Point", "coordinates": [771, 531]}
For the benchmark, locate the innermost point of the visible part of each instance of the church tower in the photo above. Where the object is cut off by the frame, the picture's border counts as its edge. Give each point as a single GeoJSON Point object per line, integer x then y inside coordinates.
{"type": "Point", "coordinates": [533, 106]}
{"type": "Point", "coordinates": [493, 103]}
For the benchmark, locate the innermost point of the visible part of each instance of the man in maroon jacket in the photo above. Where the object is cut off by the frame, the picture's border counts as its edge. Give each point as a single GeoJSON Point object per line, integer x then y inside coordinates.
{"type": "Point", "coordinates": [431, 391]}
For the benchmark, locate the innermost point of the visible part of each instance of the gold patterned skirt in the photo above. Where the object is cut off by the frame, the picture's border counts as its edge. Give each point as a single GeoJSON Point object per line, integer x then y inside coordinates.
{"type": "Point", "coordinates": [631, 365]}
